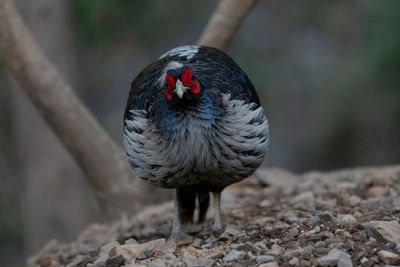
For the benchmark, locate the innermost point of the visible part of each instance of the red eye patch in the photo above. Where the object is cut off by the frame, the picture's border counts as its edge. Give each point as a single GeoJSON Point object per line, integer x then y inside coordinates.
{"type": "Point", "coordinates": [189, 79]}
{"type": "Point", "coordinates": [170, 84]}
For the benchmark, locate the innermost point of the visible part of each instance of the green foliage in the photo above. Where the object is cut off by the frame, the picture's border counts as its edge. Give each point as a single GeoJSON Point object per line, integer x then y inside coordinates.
{"type": "Point", "coordinates": [101, 21]}
{"type": "Point", "coordinates": [382, 39]}
{"type": "Point", "coordinates": [11, 228]}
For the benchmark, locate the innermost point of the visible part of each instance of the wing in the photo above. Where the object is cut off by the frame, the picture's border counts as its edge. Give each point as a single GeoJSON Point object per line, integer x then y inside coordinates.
{"type": "Point", "coordinates": [216, 70]}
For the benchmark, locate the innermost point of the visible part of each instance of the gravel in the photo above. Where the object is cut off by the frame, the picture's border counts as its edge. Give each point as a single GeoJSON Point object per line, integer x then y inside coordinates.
{"type": "Point", "coordinates": [342, 218]}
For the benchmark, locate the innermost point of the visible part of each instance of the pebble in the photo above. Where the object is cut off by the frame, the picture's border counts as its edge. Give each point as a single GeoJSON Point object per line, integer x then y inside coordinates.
{"type": "Point", "coordinates": [347, 220]}
{"type": "Point", "coordinates": [312, 221]}
{"type": "Point", "coordinates": [376, 191]}
{"type": "Point", "coordinates": [157, 263]}
{"type": "Point", "coordinates": [275, 250]}
{"type": "Point", "coordinates": [195, 262]}
{"type": "Point", "coordinates": [335, 257]}
{"type": "Point", "coordinates": [265, 258]}
{"type": "Point", "coordinates": [326, 216]}
{"type": "Point", "coordinates": [269, 264]}
{"type": "Point", "coordinates": [265, 204]}
{"type": "Point", "coordinates": [388, 231]}
{"type": "Point", "coordinates": [307, 234]}
{"type": "Point", "coordinates": [388, 257]}
{"type": "Point", "coordinates": [281, 226]}
{"type": "Point", "coordinates": [292, 233]}
{"type": "Point", "coordinates": [238, 214]}
{"type": "Point", "coordinates": [354, 200]}
{"type": "Point", "coordinates": [234, 255]}
{"type": "Point", "coordinates": [304, 197]}
{"type": "Point", "coordinates": [292, 253]}
{"type": "Point", "coordinates": [294, 261]}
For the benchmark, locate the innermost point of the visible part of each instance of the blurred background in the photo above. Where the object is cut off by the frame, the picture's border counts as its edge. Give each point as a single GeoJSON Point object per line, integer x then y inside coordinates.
{"type": "Point", "coordinates": [327, 72]}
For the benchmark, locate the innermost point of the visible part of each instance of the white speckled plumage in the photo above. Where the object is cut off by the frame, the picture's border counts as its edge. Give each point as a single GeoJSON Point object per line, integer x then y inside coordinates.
{"type": "Point", "coordinates": [198, 151]}
{"type": "Point", "coordinates": [187, 51]}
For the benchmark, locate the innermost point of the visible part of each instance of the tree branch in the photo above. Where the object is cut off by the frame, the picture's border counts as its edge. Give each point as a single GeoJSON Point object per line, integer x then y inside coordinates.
{"type": "Point", "coordinates": [99, 156]}
{"type": "Point", "coordinates": [225, 22]}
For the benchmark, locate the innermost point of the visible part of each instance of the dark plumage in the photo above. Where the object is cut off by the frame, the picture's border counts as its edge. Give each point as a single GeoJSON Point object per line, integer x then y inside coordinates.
{"type": "Point", "coordinates": [193, 122]}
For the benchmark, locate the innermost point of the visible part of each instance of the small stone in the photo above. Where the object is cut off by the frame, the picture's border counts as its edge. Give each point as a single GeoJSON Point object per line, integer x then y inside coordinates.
{"type": "Point", "coordinates": [304, 263]}
{"type": "Point", "coordinates": [387, 231]}
{"type": "Point", "coordinates": [397, 247]}
{"type": "Point", "coordinates": [275, 250]}
{"type": "Point", "coordinates": [364, 260]}
{"type": "Point", "coordinates": [265, 258]}
{"type": "Point", "coordinates": [238, 214]}
{"type": "Point", "coordinates": [294, 261]}
{"type": "Point", "coordinates": [281, 226]}
{"type": "Point", "coordinates": [268, 228]}
{"type": "Point", "coordinates": [307, 252]}
{"type": "Point", "coordinates": [134, 250]}
{"type": "Point", "coordinates": [307, 234]}
{"type": "Point", "coordinates": [130, 241]}
{"type": "Point", "coordinates": [354, 200]}
{"type": "Point", "coordinates": [144, 254]}
{"type": "Point", "coordinates": [305, 197]}
{"type": "Point", "coordinates": [179, 264]}
{"type": "Point", "coordinates": [157, 263]}
{"type": "Point", "coordinates": [326, 216]}
{"type": "Point", "coordinates": [234, 255]}
{"type": "Point", "coordinates": [115, 261]}
{"type": "Point", "coordinates": [191, 252]}
{"type": "Point", "coordinates": [312, 221]}
{"type": "Point", "coordinates": [388, 257]}
{"type": "Point", "coordinates": [292, 233]}
{"type": "Point", "coordinates": [215, 254]}
{"type": "Point", "coordinates": [269, 264]}
{"type": "Point", "coordinates": [197, 242]}
{"type": "Point", "coordinates": [265, 204]}
{"type": "Point", "coordinates": [79, 260]}
{"type": "Point", "coordinates": [170, 257]}
{"type": "Point", "coordinates": [132, 264]}
{"type": "Point", "coordinates": [195, 262]}
{"type": "Point", "coordinates": [347, 220]}
{"type": "Point", "coordinates": [290, 253]}
{"type": "Point", "coordinates": [376, 191]}
{"type": "Point", "coordinates": [335, 257]}
{"type": "Point", "coordinates": [232, 231]}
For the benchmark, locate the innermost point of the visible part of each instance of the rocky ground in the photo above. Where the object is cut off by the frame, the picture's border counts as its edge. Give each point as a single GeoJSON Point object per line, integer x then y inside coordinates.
{"type": "Point", "coordinates": [342, 218]}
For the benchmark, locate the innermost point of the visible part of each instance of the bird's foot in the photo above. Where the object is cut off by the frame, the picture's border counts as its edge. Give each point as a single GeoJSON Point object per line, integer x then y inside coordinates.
{"type": "Point", "coordinates": [217, 229]}
{"type": "Point", "coordinates": [180, 238]}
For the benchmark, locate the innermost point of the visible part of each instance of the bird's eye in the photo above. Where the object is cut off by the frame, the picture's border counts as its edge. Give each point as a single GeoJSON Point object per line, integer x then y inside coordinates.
{"type": "Point", "coordinates": [166, 84]}
{"type": "Point", "coordinates": [193, 78]}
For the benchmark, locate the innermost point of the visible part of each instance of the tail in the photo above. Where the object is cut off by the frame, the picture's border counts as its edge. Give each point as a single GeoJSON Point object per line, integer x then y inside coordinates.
{"type": "Point", "coordinates": [187, 203]}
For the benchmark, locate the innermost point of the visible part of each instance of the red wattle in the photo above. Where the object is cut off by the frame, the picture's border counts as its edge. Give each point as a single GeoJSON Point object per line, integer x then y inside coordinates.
{"type": "Point", "coordinates": [187, 80]}
{"type": "Point", "coordinates": [170, 86]}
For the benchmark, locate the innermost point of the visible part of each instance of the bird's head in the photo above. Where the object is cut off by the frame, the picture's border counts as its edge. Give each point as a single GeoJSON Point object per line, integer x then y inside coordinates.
{"type": "Point", "coordinates": [181, 82]}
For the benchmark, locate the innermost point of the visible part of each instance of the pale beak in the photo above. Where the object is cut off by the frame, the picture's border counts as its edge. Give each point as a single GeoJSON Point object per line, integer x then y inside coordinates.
{"type": "Point", "coordinates": [180, 89]}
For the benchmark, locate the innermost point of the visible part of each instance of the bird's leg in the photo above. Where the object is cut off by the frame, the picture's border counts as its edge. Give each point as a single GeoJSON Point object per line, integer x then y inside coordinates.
{"type": "Point", "coordinates": [177, 235]}
{"type": "Point", "coordinates": [217, 211]}
{"type": "Point", "coordinates": [176, 223]}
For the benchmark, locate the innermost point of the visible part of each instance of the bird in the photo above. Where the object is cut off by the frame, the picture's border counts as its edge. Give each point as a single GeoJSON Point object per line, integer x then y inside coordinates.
{"type": "Point", "coordinates": [193, 122]}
